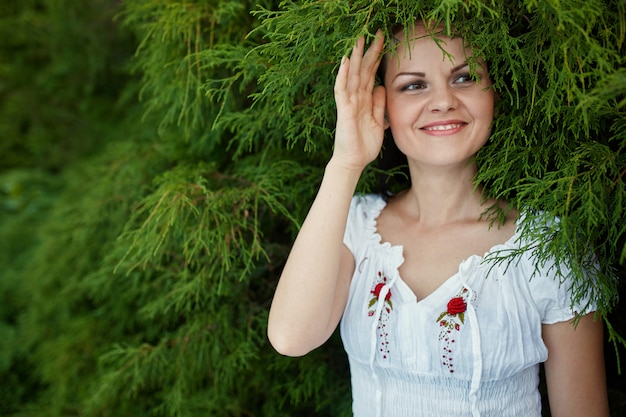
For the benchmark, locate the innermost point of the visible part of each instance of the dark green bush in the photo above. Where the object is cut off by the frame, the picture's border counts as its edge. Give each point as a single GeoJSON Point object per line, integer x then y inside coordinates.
{"type": "Point", "coordinates": [149, 200]}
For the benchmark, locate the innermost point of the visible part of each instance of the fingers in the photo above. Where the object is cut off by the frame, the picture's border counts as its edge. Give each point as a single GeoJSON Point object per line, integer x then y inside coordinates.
{"type": "Point", "coordinates": [363, 67]}
{"type": "Point", "coordinates": [372, 59]}
{"type": "Point", "coordinates": [354, 74]}
{"type": "Point", "coordinates": [342, 77]}
{"type": "Point", "coordinates": [360, 106]}
{"type": "Point", "coordinates": [359, 71]}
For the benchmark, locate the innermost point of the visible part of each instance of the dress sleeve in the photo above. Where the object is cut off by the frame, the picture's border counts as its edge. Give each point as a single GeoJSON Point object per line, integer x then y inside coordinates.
{"type": "Point", "coordinates": [553, 292]}
{"type": "Point", "coordinates": [358, 221]}
{"type": "Point", "coordinates": [350, 236]}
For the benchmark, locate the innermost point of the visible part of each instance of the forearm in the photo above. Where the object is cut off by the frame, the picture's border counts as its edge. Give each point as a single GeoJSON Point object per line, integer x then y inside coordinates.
{"type": "Point", "coordinates": [313, 288]}
{"type": "Point", "coordinates": [304, 310]}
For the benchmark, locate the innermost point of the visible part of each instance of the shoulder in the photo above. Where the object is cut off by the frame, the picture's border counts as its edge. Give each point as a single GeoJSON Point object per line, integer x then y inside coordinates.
{"type": "Point", "coordinates": [369, 203]}
{"type": "Point", "coordinates": [365, 208]}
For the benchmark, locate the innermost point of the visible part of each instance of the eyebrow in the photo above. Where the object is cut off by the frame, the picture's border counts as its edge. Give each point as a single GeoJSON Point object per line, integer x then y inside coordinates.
{"type": "Point", "coordinates": [421, 74]}
{"type": "Point", "coordinates": [458, 67]}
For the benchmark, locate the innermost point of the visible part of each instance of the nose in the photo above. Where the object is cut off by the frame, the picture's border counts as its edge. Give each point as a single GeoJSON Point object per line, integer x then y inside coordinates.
{"type": "Point", "coordinates": [442, 99]}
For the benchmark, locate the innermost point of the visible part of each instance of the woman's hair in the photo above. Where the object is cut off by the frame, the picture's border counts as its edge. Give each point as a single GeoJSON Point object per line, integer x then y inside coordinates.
{"type": "Point", "coordinates": [393, 169]}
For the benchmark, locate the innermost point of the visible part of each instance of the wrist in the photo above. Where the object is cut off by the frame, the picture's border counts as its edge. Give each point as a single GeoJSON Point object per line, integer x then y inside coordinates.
{"type": "Point", "coordinates": [345, 168]}
{"type": "Point", "coordinates": [342, 175]}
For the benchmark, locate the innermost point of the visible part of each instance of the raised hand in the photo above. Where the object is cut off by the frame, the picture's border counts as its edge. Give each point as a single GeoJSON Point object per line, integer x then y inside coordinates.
{"type": "Point", "coordinates": [313, 288]}
{"type": "Point", "coordinates": [360, 107]}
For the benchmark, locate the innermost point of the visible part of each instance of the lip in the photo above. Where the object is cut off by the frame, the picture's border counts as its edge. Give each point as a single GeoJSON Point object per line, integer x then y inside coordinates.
{"type": "Point", "coordinates": [443, 127]}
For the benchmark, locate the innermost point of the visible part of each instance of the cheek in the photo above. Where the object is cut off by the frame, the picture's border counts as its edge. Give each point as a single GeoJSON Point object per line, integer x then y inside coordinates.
{"type": "Point", "coordinates": [483, 106]}
{"type": "Point", "coordinates": [490, 100]}
{"type": "Point", "coordinates": [485, 113]}
{"type": "Point", "coordinates": [399, 112]}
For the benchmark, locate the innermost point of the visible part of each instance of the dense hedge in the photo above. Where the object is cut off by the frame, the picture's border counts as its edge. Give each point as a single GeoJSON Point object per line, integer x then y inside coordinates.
{"type": "Point", "coordinates": [156, 158]}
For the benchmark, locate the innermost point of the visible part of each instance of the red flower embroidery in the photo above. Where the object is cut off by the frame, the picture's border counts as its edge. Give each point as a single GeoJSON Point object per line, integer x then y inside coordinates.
{"type": "Point", "coordinates": [456, 306]}
{"type": "Point", "coordinates": [384, 314]}
{"type": "Point", "coordinates": [451, 321]}
{"type": "Point", "coordinates": [378, 288]}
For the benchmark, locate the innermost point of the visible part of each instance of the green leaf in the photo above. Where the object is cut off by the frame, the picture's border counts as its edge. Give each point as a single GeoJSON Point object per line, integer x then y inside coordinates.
{"type": "Point", "coordinates": [441, 316]}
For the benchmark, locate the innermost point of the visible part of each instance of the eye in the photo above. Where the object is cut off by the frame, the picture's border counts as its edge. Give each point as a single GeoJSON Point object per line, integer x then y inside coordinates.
{"type": "Point", "coordinates": [464, 78]}
{"type": "Point", "coordinates": [415, 85]}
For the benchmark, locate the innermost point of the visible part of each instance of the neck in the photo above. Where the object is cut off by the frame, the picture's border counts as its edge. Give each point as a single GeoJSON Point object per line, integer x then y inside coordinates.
{"type": "Point", "coordinates": [439, 196]}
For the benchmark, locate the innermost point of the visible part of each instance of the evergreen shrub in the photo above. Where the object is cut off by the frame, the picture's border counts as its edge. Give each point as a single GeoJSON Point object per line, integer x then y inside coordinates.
{"type": "Point", "coordinates": [149, 202]}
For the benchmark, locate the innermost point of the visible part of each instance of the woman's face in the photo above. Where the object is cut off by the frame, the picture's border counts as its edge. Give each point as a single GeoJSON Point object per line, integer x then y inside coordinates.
{"type": "Point", "coordinates": [438, 115]}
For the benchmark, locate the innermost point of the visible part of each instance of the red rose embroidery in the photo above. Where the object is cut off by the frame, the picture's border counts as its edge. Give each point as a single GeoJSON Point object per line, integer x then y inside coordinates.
{"type": "Point", "coordinates": [450, 322]}
{"type": "Point", "coordinates": [383, 334]}
{"type": "Point", "coordinates": [376, 291]}
{"type": "Point", "coordinates": [456, 305]}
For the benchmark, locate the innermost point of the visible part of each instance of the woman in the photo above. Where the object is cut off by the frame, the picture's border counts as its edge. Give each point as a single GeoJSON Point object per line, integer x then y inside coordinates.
{"type": "Point", "coordinates": [430, 329]}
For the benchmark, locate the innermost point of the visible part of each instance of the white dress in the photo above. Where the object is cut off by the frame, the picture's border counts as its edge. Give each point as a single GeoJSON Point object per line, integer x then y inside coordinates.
{"type": "Point", "coordinates": [471, 348]}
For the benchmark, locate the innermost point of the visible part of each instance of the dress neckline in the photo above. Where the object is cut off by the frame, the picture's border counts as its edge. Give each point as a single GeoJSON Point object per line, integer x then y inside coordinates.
{"type": "Point", "coordinates": [463, 266]}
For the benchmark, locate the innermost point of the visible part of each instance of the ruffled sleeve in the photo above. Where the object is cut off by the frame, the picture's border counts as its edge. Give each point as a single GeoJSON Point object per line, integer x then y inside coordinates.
{"type": "Point", "coordinates": [361, 219]}
{"type": "Point", "coordinates": [553, 293]}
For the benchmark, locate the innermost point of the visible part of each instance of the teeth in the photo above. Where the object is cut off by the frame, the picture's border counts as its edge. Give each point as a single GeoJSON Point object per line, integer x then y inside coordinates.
{"type": "Point", "coordinates": [444, 127]}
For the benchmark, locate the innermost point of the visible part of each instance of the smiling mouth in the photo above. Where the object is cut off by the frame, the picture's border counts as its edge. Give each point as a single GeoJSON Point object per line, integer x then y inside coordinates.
{"type": "Point", "coordinates": [444, 127]}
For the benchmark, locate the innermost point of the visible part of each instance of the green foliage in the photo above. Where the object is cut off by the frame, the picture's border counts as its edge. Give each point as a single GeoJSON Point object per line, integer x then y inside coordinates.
{"type": "Point", "coordinates": [143, 238]}
{"type": "Point", "coordinates": [553, 148]}
{"type": "Point", "coordinates": [61, 68]}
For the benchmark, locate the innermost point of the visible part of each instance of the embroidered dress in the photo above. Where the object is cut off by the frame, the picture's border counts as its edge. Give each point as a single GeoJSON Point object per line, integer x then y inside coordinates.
{"type": "Point", "coordinates": [471, 348]}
